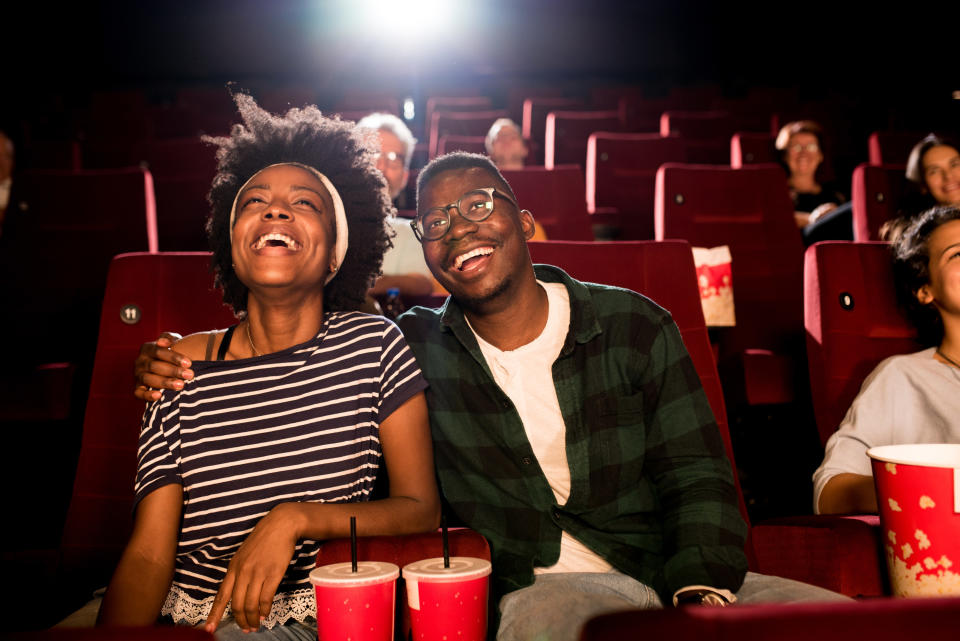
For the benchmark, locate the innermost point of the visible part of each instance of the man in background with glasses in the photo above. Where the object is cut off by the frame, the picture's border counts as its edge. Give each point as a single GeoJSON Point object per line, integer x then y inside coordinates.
{"type": "Point", "coordinates": [403, 266]}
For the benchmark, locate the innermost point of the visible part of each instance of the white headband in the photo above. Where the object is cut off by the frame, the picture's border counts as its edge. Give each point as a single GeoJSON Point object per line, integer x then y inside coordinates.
{"type": "Point", "coordinates": [340, 216]}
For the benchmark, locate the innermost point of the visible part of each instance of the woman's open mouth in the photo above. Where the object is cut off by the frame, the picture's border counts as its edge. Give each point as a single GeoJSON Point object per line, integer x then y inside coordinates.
{"type": "Point", "coordinates": [275, 239]}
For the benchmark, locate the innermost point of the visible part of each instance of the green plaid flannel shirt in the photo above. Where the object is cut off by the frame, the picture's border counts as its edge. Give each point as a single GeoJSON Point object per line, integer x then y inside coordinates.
{"type": "Point", "coordinates": [651, 487]}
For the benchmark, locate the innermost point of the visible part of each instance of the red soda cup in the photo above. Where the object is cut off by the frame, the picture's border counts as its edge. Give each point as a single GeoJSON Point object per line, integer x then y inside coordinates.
{"type": "Point", "coordinates": [448, 604]}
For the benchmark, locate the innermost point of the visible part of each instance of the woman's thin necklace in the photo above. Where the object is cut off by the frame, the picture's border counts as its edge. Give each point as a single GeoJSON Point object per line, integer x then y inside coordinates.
{"type": "Point", "coordinates": [948, 359]}
{"type": "Point", "coordinates": [257, 351]}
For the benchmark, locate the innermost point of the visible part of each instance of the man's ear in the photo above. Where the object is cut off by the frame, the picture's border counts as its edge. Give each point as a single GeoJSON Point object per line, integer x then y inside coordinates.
{"type": "Point", "coordinates": [526, 223]}
{"type": "Point", "coordinates": [924, 296]}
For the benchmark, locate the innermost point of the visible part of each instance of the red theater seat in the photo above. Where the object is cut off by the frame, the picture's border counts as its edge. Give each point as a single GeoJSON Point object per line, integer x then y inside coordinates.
{"type": "Point", "coordinates": [641, 114]}
{"type": "Point", "coordinates": [892, 147]}
{"type": "Point", "coordinates": [455, 103]}
{"type": "Point", "coordinates": [751, 149]}
{"type": "Point", "coordinates": [566, 133]}
{"type": "Point", "coordinates": [852, 321]}
{"type": "Point", "coordinates": [556, 199]}
{"type": "Point", "coordinates": [182, 170]}
{"type": "Point", "coordinates": [877, 194]}
{"type": "Point", "coordinates": [876, 619]}
{"type": "Point", "coordinates": [621, 178]}
{"type": "Point", "coordinates": [472, 144]}
{"type": "Point", "coordinates": [535, 112]}
{"type": "Point", "coordinates": [460, 123]}
{"type": "Point", "coordinates": [837, 553]}
{"type": "Point", "coordinates": [145, 294]}
{"type": "Point", "coordinates": [750, 211]}
{"type": "Point", "coordinates": [707, 134]}
{"type": "Point", "coordinates": [517, 94]}
{"type": "Point", "coordinates": [61, 231]}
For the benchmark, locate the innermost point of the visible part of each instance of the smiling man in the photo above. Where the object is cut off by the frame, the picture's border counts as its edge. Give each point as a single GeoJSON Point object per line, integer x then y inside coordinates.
{"type": "Point", "coordinates": [570, 427]}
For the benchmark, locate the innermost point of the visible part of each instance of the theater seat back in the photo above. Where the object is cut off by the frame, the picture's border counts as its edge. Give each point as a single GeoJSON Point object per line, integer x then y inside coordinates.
{"type": "Point", "coordinates": [852, 323]}
{"type": "Point", "coordinates": [556, 199]}
{"type": "Point", "coordinates": [621, 175]}
{"type": "Point", "coordinates": [878, 191]}
{"type": "Point", "coordinates": [566, 134]}
{"type": "Point", "coordinates": [145, 295]}
{"type": "Point", "coordinates": [751, 149]}
{"type": "Point", "coordinates": [750, 211]}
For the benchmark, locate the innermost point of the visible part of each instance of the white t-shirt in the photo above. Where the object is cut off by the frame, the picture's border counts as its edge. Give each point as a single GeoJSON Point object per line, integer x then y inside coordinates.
{"type": "Point", "coordinates": [526, 376]}
{"type": "Point", "coordinates": [406, 255]}
{"type": "Point", "coordinates": [909, 398]}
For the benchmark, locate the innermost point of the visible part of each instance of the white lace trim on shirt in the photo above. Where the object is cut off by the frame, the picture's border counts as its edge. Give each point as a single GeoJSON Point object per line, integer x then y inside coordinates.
{"type": "Point", "coordinates": [298, 605]}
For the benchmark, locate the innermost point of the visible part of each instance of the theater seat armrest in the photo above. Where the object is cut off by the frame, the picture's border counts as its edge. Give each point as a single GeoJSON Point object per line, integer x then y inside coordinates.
{"type": "Point", "coordinates": [840, 553]}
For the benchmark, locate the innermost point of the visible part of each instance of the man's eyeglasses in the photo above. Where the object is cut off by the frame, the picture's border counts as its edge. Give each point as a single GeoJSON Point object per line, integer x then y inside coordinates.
{"type": "Point", "coordinates": [392, 159]}
{"type": "Point", "coordinates": [476, 205]}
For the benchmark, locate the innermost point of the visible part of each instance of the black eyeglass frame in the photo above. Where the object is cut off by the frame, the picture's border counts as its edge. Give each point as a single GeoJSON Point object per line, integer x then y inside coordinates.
{"type": "Point", "coordinates": [490, 191]}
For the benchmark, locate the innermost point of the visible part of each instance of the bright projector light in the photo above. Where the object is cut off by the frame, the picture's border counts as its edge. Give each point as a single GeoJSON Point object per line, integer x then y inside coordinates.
{"type": "Point", "coordinates": [410, 17]}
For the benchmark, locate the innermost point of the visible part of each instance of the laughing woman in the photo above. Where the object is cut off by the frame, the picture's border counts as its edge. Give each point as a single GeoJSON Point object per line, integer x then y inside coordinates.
{"type": "Point", "coordinates": [277, 439]}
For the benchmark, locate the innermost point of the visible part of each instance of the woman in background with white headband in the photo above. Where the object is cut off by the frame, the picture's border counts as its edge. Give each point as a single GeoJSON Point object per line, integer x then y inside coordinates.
{"type": "Point", "coordinates": [278, 438]}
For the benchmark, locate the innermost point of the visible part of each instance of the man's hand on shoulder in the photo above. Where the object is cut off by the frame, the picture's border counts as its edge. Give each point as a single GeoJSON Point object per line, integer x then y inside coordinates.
{"type": "Point", "coordinates": [159, 367]}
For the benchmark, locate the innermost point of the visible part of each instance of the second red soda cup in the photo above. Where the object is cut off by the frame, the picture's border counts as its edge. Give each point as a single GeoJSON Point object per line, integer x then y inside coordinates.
{"type": "Point", "coordinates": [448, 603]}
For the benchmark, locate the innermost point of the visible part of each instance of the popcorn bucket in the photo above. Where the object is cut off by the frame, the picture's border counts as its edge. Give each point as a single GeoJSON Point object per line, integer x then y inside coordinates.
{"type": "Point", "coordinates": [918, 493]}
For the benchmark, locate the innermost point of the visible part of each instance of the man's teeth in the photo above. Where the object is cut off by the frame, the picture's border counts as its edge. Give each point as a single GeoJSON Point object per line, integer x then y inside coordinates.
{"type": "Point", "coordinates": [479, 251]}
{"type": "Point", "coordinates": [275, 238]}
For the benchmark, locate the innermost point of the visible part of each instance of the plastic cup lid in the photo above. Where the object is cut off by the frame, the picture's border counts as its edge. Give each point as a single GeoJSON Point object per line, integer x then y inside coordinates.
{"type": "Point", "coordinates": [342, 574]}
{"type": "Point", "coordinates": [461, 568]}
{"type": "Point", "coordinates": [923, 454]}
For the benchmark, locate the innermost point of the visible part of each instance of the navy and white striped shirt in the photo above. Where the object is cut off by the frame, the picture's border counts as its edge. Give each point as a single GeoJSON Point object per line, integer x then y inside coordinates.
{"type": "Point", "coordinates": [245, 435]}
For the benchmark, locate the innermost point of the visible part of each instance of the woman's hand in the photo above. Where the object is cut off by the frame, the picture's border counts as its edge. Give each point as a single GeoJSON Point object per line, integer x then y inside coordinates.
{"type": "Point", "coordinates": [257, 568]}
{"type": "Point", "coordinates": [158, 367]}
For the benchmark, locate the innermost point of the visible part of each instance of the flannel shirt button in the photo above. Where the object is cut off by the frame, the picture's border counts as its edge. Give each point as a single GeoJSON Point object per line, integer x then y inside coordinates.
{"type": "Point", "coordinates": [525, 460]}
{"type": "Point", "coordinates": [505, 403]}
{"type": "Point", "coordinates": [556, 514]}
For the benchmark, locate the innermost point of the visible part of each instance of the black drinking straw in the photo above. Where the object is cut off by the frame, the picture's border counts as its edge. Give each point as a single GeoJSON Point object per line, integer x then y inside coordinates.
{"type": "Point", "coordinates": [353, 543]}
{"type": "Point", "coordinates": [446, 543]}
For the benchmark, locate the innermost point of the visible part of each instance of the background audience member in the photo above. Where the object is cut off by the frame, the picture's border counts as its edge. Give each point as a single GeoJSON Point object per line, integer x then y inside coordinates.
{"type": "Point", "coordinates": [800, 144]}
{"type": "Point", "coordinates": [910, 398]}
{"type": "Point", "coordinates": [403, 265]}
{"type": "Point", "coordinates": [933, 167]}
{"type": "Point", "coordinates": [801, 148]}
{"type": "Point", "coordinates": [505, 145]}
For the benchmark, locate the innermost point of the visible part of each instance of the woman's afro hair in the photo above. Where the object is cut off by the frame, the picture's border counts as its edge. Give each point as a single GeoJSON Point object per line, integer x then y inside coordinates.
{"type": "Point", "coordinates": [335, 148]}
